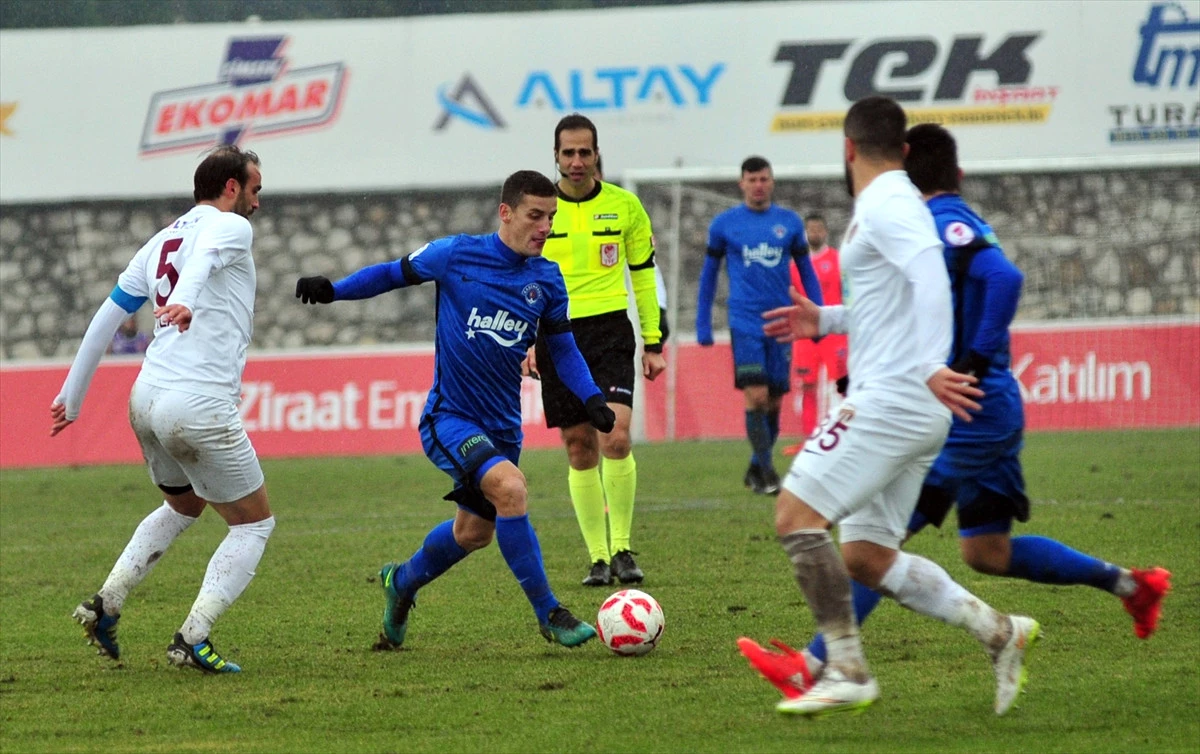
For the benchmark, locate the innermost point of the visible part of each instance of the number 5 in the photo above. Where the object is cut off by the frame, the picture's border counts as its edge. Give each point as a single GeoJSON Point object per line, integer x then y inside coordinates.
{"type": "Point", "coordinates": [166, 271]}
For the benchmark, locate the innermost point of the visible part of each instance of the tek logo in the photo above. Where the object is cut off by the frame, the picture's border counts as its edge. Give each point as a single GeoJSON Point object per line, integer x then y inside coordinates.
{"type": "Point", "coordinates": [467, 102]}
{"type": "Point", "coordinates": [889, 67]}
{"type": "Point", "coordinates": [496, 326]}
{"type": "Point", "coordinates": [1168, 45]}
{"type": "Point", "coordinates": [256, 91]}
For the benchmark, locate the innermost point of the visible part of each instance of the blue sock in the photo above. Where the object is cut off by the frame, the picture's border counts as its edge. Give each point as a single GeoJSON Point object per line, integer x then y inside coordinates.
{"type": "Point", "coordinates": [758, 431]}
{"type": "Point", "coordinates": [437, 554]}
{"type": "Point", "coordinates": [773, 424]}
{"type": "Point", "coordinates": [865, 599]}
{"type": "Point", "coordinates": [519, 545]}
{"type": "Point", "coordinates": [1048, 561]}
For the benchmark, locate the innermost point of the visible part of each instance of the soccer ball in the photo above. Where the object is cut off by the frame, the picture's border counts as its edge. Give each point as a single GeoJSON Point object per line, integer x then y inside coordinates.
{"type": "Point", "coordinates": [630, 622]}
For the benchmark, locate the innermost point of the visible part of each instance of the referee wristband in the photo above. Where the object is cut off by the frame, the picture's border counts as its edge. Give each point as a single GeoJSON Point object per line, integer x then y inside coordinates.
{"type": "Point", "coordinates": [652, 348]}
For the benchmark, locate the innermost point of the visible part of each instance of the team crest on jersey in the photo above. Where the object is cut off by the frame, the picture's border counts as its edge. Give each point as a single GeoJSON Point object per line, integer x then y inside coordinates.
{"type": "Point", "coordinates": [779, 231]}
{"type": "Point", "coordinates": [610, 253]}
{"type": "Point", "coordinates": [532, 293]}
{"type": "Point", "coordinates": [959, 234]}
{"type": "Point", "coordinates": [607, 216]}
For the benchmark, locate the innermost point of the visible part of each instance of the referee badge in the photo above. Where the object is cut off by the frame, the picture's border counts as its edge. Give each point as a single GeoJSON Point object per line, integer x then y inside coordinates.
{"type": "Point", "coordinates": [610, 253]}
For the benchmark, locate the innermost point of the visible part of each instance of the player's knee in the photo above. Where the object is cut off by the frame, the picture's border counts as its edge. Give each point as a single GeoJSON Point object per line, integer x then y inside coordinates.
{"type": "Point", "coordinates": [617, 444]}
{"type": "Point", "coordinates": [472, 538]}
{"type": "Point", "coordinates": [984, 557]}
{"type": "Point", "coordinates": [509, 494]}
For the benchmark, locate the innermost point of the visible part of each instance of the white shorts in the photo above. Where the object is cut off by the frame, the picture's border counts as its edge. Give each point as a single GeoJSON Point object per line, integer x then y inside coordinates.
{"type": "Point", "coordinates": [194, 440]}
{"type": "Point", "coordinates": [863, 469]}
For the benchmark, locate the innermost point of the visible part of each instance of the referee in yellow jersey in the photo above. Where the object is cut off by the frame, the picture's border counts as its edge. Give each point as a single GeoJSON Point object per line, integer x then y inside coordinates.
{"type": "Point", "coordinates": [599, 231]}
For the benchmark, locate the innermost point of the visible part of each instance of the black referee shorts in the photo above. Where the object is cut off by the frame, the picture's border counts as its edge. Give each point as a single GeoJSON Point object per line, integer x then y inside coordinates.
{"type": "Point", "coordinates": [608, 346]}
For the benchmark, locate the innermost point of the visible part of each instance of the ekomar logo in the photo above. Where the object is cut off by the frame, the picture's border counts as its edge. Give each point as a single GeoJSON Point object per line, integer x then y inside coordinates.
{"type": "Point", "coordinates": [256, 92]}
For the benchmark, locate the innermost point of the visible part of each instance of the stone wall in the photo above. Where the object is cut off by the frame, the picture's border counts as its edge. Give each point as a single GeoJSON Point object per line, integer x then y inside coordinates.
{"type": "Point", "coordinates": [1097, 244]}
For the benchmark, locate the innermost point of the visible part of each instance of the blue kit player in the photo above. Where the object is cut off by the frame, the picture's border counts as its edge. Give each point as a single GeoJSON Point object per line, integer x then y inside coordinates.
{"type": "Point", "coordinates": [493, 294]}
{"type": "Point", "coordinates": [978, 470]}
{"type": "Point", "coordinates": [756, 239]}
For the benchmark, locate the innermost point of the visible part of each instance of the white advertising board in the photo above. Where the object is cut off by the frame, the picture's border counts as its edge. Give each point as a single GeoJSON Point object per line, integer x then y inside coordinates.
{"type": "Point", "coordinates": [342, 106]}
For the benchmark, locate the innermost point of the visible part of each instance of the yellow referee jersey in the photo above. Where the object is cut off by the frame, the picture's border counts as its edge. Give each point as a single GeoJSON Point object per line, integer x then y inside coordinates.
{"type": "Point", "coordinates": [593, 240]}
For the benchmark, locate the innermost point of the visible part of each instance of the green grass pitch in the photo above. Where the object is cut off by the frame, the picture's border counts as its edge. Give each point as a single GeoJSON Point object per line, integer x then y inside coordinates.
{"type": "Point", "coordinates": [476, 676]}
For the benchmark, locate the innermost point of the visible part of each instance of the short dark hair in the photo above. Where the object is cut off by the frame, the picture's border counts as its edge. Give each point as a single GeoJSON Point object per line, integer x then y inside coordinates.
{"type": "Point", "coordinates": [575, 122]}
{"type": "Point", "coordinates": [754, 163]}
{"type": "Point", "coordinates": [526, 183]}
{"type": "Point", "coordinates": [876, 126]}
{"type": "Point", "coordinates": [815, 217]}
{"type": "Point", "coordinates": [932, 159]}
{"type": "Point", "coordinates": [222, 163]}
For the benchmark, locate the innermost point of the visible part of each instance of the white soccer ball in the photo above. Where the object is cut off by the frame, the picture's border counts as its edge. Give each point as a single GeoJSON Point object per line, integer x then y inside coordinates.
{"type": "Point", "coordinates": [630, 622]}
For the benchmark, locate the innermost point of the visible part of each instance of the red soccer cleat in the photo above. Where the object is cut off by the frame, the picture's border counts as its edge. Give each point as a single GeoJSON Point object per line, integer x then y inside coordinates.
{"type": "Point", "coordinates": [791, 450]}
{"type": "Point", "coordinates": [788, 672]}
{"type": "Point", "coordinates": [1145, 604]}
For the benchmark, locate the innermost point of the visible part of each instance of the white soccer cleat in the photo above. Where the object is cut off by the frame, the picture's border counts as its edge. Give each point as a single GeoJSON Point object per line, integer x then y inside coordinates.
{"type": "Point", "coordinates": [1009, 663]}
{"type": "Point", "coordinates": [833, 692]}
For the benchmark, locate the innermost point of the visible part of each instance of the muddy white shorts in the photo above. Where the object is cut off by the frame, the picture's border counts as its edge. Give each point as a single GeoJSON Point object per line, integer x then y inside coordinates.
{"type": "Point", "coordinates": [864, 467]}
{"type": "Point", "coordinates": [194, 439]}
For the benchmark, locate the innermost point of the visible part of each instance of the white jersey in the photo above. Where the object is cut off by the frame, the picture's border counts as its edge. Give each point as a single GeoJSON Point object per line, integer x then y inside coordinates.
{"type": "Point", "coordinates": [894, 346]}
{"type": "Point", "coordinates": [209, 357]}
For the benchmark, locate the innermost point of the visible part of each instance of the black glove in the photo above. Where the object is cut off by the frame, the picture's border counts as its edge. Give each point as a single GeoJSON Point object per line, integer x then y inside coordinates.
{"type": "Point", "coordinates": [314, 290]}
{"type": "Point", "coordinates": [843, 385]}
{"type": "Point", "coordinates": [601, 416]}
{"type": "Point", "coordinates": [662, 325]}
{"type": "Point", "coordinates": [973, 363]}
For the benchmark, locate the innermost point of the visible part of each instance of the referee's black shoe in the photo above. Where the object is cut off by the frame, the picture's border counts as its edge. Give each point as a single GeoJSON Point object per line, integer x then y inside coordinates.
{"type": "Point", "coordinates": [625, 569]}
{"type": "Point", "coordinates": [600, 575]}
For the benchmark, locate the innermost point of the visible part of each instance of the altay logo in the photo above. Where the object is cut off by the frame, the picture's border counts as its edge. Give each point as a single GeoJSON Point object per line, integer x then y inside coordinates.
{"type": "Point", "coordinates": [899, 67]}
{"type": "Point", "coordinates": [606, 89]}
{"type": "Point", "coordinates": [256, 92]}
{"type": "Point", "coordinates": [1168, 58]}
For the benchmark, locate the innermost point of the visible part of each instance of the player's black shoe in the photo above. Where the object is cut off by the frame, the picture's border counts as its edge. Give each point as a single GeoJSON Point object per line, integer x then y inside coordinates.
{"type": "Point", "coordinates": [770, 482]}
{"type": "Point", "coordinates": [625, 569]}
{"type": "Point", "coordinates": [752, 478]}
{"type": "Point", "coordinates": [600, 575]}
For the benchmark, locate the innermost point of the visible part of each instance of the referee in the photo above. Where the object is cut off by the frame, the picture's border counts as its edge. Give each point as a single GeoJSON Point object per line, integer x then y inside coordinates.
{"type": "Point", "coordinates": [599, 231]}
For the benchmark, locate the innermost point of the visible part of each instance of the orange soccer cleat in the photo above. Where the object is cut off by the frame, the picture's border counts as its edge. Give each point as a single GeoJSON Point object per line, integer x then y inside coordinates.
{"type": "Point", "coordinates": [1145, 604]}
{"type": "Point", "coordinates": [788, 671]}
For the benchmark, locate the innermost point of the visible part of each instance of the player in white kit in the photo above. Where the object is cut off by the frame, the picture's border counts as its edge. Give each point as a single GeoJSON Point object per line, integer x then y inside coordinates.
{"type": "Point", "coordinates": [864, 469]}
{"type": "Point", "coordinates": [199, 272]}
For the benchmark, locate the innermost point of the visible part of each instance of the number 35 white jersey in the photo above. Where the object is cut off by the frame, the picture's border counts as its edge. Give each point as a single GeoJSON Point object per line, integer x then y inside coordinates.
{"type": "Point", "coordinates": [209, 357]}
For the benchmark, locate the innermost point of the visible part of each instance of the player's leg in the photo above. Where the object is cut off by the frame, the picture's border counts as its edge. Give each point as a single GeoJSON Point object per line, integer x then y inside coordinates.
{"type": "Point", "coordinates": [995, 495]}
{"type": "Point", "coordinates": [750, 377]}
{"type": "Point", "coordinates": [584, 484]}
{"type": "Point", "coordinates": [221, 464]}
{"type": "Point", "coordinates": [806, 361]}
{"type": "Point", "coordinates": [504, 485]}
{"type": "Point", "coordinates": [614, 371]}
{"type": "Point", "coordinates": [778, 367]}
{"type": "Point", "coordinates": [871, 538]}
{"type": "Point", "coordinates": [620, 490]}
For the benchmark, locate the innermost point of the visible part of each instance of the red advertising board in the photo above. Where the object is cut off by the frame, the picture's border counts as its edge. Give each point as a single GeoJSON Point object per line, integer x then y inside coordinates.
{"type": "Point", "coordinates": [1087, 376]}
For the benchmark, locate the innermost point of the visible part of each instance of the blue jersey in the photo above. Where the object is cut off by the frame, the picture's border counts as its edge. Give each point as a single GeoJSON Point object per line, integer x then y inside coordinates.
{"type": "Point", "coordinates": [757, 247]}
{"type": "Point", "coordinates": [490, 300]}
{"type": "Point", "coordinates": [986, 288]}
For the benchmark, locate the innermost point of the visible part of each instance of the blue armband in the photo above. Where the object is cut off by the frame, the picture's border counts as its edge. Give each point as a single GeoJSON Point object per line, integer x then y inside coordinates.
{"type": "Point", "coordinates": [124, 300]}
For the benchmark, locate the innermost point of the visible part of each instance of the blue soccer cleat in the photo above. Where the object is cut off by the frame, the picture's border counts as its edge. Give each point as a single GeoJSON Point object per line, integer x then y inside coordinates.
{"type": "Point", "coordinates": [563, 628]}
{"type": "Point", "coordinates": [396, 606]}
{"type": "Point", "coordinates": [202, 656]}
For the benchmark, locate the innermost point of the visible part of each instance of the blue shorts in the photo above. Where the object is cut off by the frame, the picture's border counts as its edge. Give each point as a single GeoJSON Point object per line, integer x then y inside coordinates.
{"type": "Point", "coordinates": [759, 360]}
{"type": "Point", "coordinates": [983, 480]}
{"type": "Point", "coordinates": [465, 451]}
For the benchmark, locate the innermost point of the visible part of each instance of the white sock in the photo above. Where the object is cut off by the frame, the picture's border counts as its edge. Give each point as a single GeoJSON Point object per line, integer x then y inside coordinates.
{"type": "Point", "coordinates": [819, 570]}
{"type": "Point", "coordinates": [229, 572]}
{"type": "Point", "coordinates": [148, 543]}
{"type": "Point", "coordinates": [924, 587]}
{"type": "Point", "coordinates": [1125, 586]}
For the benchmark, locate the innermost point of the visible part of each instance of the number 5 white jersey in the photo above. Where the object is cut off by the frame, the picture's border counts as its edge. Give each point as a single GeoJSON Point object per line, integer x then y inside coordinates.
{"type": "Point", "coordinates": [209, 357]}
